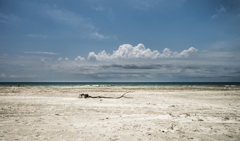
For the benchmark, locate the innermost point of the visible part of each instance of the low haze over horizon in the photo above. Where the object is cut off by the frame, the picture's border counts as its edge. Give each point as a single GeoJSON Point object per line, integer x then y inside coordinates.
{"type": "Point", "coordinates": [127, 40]}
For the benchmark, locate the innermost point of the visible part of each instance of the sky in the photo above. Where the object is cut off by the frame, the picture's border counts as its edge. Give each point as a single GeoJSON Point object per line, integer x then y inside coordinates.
{"type": "Point", "coordinates": [120, 41]}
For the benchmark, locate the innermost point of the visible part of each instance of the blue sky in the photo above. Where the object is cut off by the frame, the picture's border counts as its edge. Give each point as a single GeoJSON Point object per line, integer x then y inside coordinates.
{"type": "Point", "coordinates": [127, 40]}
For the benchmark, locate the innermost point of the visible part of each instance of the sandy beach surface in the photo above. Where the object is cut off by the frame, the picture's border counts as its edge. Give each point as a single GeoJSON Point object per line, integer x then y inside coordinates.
{"type": "Point", "coordinates": [144, 113]}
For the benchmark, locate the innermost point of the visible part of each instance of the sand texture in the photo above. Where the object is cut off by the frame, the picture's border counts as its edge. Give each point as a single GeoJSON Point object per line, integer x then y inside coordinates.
{"type": "Point", "coordinates": [144, 113]}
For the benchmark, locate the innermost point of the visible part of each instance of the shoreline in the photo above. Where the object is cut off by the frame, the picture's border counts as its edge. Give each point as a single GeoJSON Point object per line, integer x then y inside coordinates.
{"type": "Point", "coordinates": [159, 88]}
{"type": "Point", "coordinates": [102, 84]}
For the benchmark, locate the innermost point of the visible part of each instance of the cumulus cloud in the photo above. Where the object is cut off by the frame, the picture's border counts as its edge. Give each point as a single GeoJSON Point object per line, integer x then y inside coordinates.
{"type": "Point", "coordinates": [92, 56]}
{"type": "Point", "coordinates": [60, 58]}
{"type": "Point", "coordinates": [127, 51]}
{"type": "Point", "coordinates": [206, 66]}
{"type": "Point", "coordinates": [185, 53]}
{"type": "Point", "coordinates": [79, 58]}
{"type": "Point", "coordinates": [66, 59]}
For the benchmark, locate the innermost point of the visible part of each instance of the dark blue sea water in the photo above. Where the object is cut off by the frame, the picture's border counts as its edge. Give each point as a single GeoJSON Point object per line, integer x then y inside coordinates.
{"type": "Point", "coordinates": [119, 84]}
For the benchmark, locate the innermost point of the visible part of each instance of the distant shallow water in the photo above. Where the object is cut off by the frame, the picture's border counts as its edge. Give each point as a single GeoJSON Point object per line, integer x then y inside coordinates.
{"type": "Point", "coordinates": [120, 84]}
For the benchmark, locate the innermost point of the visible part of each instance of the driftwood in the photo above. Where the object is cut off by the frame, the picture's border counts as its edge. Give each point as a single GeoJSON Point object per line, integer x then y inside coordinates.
{"type": "Point", "coordinates": [83, 95]}
{"type": "Point", "coordinates": [88, 96]}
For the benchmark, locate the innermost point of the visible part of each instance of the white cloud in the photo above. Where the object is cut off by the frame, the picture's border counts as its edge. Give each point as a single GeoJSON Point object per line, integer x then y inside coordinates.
{"type": "Point", "coordinates": [2, 75]}
{"type": "Point", "coordinates": [142, 4]}
{"type": "Point", "coordinates": [2, 21]}
{"type": "Point", "coordinates": [38, 52]}
{"type": "Point", "coordinates": [92, 56]}
{"type": "Point", "coordinates": [98, 8]}
{"type": "Point", "coordinates": [37, 36]}
{"type": "Point", "coordinates": [14, 76]}
{"type": "Point", "coordinates": [204, 64]}
{"type": "Point", "coordinates": [60, 58]}
{"type": "Point", "coordinates": [127, 51]}
{"type": "Point", "coordinates": [66, 59]}
{"type": "Point", "coordinates": [45, 59]}
{"type": "Point", "coordinates": [67, 17]}
{"type": "Point", "coordinates": [185, 53]}
{"type": "Point", "coordinates": [222, 9]}
{"type": "Point", "coordinates": [79, 58]}
{"type": "Point", "coordinates": [77, 23]}
{"type": "Point", "coordinates": [9, 19]}
{"type": "Point", "coordinates": [148, 4]}
{"type": "Point", "coordinates": [27, 76]}
{"type": "Point", "coordinates": [214, 16]}
{"type": "Point", "coordinates": [98, 36]}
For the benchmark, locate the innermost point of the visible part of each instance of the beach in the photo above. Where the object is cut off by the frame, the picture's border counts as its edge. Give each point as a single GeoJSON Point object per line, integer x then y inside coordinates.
{"type": "Point", "coordinates": [144, 113]}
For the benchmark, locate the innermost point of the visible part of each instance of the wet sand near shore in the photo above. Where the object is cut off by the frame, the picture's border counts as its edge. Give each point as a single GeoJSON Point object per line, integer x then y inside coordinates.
{"type": "Point", "coordinates": [145, 113]}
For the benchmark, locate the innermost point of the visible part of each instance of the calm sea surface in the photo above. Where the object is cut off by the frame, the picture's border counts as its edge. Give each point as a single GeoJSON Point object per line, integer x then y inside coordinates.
{"type": "Point", "coordinates": [119, 84]}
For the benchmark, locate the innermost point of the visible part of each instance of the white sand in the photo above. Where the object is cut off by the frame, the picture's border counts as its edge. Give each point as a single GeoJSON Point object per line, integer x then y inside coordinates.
{"type": "Point", "coordinates": [146, 113]}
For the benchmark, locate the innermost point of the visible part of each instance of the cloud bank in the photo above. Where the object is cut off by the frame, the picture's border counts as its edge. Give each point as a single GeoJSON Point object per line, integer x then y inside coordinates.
{"type": "Point", "coordinates": [127, 51]}
{"type": "Point", "coordinates": [127, 63]}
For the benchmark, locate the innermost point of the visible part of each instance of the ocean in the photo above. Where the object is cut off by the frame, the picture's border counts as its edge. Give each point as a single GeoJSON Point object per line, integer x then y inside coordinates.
{"type": "Point", "coordinates": [18, 84]}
